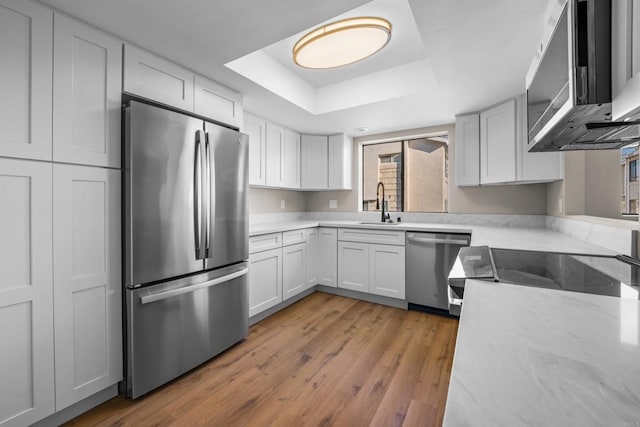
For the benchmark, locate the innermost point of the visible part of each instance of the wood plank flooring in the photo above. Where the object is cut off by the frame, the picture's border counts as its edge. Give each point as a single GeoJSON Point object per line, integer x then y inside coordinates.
{"type": "Point", "coordinates": [326, 360]}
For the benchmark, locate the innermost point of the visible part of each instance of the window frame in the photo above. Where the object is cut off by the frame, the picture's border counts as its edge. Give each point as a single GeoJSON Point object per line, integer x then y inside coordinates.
{"type": "Point", "coordinates": [402, 140]}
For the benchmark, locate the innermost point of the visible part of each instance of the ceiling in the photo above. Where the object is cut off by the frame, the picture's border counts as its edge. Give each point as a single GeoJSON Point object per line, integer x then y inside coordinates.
{"type": "Point", "coordinates": [444, 58]}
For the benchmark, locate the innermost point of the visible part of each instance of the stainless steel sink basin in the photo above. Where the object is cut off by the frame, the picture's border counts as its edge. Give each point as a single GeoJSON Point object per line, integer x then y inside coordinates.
{"type": "Point", "coordinates": [378, 223]}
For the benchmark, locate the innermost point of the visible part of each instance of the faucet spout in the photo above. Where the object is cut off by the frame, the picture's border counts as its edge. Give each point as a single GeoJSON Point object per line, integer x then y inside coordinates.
{"type": "Point", "coordinates": [380, 185]}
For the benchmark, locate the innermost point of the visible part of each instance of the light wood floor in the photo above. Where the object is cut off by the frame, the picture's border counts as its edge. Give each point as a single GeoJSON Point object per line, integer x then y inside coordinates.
{"type": "Point", "coordinates": [326, 360]}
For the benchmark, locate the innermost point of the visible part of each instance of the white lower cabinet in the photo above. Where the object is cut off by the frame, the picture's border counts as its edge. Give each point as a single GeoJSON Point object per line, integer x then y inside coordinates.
{"type": "Point", "coordinates": [311, 262]}
{"type": "Point", "coordinates": [265, 280]}
{"type": "Point", "coordinates": [386, 271]}
{"type": "Point", "coordinates": [87, 281]}
{"type": "Point", "coordinates": [293, 272]}
{"type": "Point", "coordinates": [26, 293]}
{"type": "Point", "coordinates": [370, 267]}
{"type": "Point", "coordinates": [328, 256]}
{"type": "Point", "coordinates": [353, 266]}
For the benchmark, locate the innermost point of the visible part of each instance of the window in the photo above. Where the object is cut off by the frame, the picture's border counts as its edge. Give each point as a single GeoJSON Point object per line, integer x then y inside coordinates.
{"type": "Point", "coordinates": [629, 180]}
{"type": "Point", "coordinates": [413, 172]}
{"type": "Point", "coordinates": [633, 170]}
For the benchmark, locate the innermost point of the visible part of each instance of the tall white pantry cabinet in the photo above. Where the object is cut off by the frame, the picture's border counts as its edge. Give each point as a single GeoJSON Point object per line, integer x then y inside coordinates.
{"type": "Point", "coordinates": [60, 272]}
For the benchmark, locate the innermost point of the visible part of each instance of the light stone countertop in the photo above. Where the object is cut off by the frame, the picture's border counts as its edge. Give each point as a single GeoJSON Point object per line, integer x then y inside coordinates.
{"type": "Point", "coordinates": [532, 356]}
{"type": "Point", "coordinates": [534, 239]}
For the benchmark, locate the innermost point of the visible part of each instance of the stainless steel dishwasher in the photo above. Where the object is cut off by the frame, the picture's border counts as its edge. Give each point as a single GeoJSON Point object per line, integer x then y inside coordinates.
{"type": "Point", "coordinates": [429, 257]}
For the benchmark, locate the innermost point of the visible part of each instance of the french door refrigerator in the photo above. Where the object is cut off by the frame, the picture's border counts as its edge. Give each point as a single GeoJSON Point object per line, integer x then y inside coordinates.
{"type": "Point", "coordinates": [186, 243]}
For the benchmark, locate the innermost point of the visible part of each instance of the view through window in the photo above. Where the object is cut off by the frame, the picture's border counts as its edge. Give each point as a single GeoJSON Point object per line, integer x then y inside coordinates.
{"type": "Point", "coordinates": [414, 174]}
{"type": "Point", "coordinates": [629, 179]}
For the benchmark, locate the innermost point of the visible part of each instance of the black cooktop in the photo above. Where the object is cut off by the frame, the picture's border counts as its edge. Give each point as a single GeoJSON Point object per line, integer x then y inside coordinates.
{"type": "Point", "coordinates": [603, 275]}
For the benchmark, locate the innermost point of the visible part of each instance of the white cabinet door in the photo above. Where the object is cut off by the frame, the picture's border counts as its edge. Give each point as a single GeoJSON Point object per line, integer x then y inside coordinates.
{"type": "Point", "coordinates": [498, 144]}
{"type": "Point", "coordinates": [314, 162]}
{"type": "Point", "coordinates": [26, 294]}
{"type": "Point", "coordinates": [328, 256]}
{"type": "Point", "coordinates": [386, 271]}
{"type": "Point", "coordinates": [87, 281]}
{"type": "Point", "coordinates": [265, 280]}
{"type": "Point", "coordinates": [25, 79]}
{"type": "Point", "coordinates": [625, 59]}
{"type": "Point", "coordinates": [353, 266]}
{"type": "Point", "coordinates": [291, 159]}
{"type": "Point", "coordinates": [87, 95]}
{"type": "Point", "coordinates": [217, 102]}
{"type": "Point", "coordinates": [256, 128]}
{"type": "Point", "coordinates": [340, 162]}
{"type": "Point", "coordinates": [467, 151]}
{"type": "Point", "coordinates": [155, 78]}
{"type": "Point", "coordinates": [534, 167]}
{"type": "Point", "coordinates": [275, 153]}
{"type": "Point", "coordinates": [293, 270]}
{"type": "Point", "coordinates": [311, 262]}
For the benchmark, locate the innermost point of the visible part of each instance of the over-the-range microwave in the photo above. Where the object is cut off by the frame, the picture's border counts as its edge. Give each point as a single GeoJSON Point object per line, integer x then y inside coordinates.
{"type": "Point", "coordinates": [569, 91]}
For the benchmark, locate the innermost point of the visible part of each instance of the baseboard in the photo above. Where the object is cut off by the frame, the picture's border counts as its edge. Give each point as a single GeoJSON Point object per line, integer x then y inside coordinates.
{"type": "Point", "coordinates": [78, 408]}
{"type": "Point", "coordinates": [377, 299]}
{"type": "Point", "coordinates": [268, 312]}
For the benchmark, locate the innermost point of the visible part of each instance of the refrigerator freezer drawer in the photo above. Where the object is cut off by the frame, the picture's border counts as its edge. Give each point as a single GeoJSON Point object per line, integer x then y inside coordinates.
{"type": "Point", "coordinates": [176, 326]}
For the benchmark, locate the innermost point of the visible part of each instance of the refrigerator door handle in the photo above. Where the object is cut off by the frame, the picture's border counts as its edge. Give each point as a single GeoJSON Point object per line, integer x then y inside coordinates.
{"type": "Point", "coordinates": [197, 190]}
{"type": "Point", "coordinates": [146, 299]}
{"type": "Point", "coordinates": [211, 188]}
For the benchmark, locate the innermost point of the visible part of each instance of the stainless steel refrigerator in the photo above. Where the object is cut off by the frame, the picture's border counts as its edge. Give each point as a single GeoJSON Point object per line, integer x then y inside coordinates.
{"type": "Point", "coordinates": [186, 243]}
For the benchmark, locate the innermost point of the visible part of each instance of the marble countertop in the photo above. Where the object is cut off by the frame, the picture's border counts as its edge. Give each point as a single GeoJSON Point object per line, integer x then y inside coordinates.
{"type": "Point", "coordinates": [531, 356]}
{"type": "Point", "coordinates": [533, 239]}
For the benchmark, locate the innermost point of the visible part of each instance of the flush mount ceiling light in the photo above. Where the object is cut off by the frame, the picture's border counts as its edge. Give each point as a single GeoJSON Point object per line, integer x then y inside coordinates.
{"type": "Point", "coordinates": [342, 42]}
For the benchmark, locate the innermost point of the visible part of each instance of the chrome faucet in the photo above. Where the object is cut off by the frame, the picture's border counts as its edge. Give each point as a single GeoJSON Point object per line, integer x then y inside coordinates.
{"type": "Point", "coordinates": [384, 217]}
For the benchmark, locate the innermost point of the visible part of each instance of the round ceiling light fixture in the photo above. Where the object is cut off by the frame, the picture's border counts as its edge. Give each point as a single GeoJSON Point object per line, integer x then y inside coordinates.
{"type": "Point", "coordinates": [342, 42]}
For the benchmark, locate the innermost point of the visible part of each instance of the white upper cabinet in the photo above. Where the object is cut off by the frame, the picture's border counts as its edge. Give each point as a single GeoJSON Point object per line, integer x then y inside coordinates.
{"type": "Point", "coordinates": [315, 168]}
{"type": "Point", "coordinates": [155, 78]}
{"type": "Point", "coordinates": [26, 293]}
{"type": "Point", "coordinates": [25, 79]}
{"type": "Point", "coordinates": [534, 167]}
{"type": "Point", "coordinates": [280, 157]}
{"type": "Point", "coordinates": [256, 128]}
{"type": "Point", "coordinates": [87, 281]}
{"type": "Point", "coordinates": [291, 159]}
{"type": "Point", "coordinates": [340, 162]}
{"type": "Point", "coordinates": [217, 102]}
{"type": "Point", "coordinates": [491, 148]}
{"type": "Point", "coordinates": [87, 95]}
{"type": "Point", "coordinates": [625, 58]}
{"type": "Point", "coordinates": [498, 144]}
{"type": "Point", "coordinates": [326, 162]}
{"type": "Point", "coordinates": [158, 79]}
{"type": "Point", "coordinates": [467, 151]}
{"type": "Point", "coordinates": [275, 154]}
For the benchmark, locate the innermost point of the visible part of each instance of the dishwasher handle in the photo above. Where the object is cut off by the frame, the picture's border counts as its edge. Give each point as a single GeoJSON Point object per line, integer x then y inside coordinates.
{"type": "Point", "coordinates": [146, 299]}
{"type": "Point", "coordinates": [436, 240]}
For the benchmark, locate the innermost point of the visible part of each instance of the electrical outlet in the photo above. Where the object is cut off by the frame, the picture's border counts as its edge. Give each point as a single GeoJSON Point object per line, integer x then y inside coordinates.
{"type": "Point", "coordinates": [333, 204]}
{"type": "Point", "coordinates": [282, 204]}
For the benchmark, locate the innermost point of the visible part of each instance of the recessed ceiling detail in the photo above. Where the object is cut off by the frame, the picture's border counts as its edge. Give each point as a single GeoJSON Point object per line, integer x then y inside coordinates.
{"type": "Point", "coordinates": [398, 70]}
{"type": "Point", "coordinates": [342, 42]}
